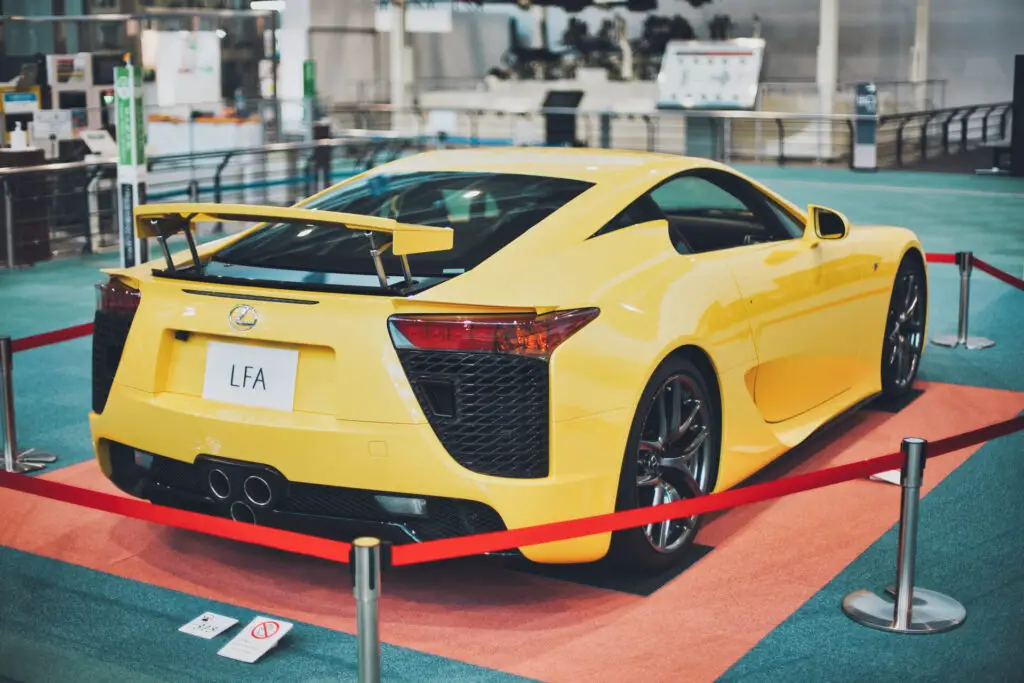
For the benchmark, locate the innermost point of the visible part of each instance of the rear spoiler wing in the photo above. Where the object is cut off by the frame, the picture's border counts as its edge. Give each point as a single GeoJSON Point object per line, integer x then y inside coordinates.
{"type": "Point", "coordinates": [165, 220]}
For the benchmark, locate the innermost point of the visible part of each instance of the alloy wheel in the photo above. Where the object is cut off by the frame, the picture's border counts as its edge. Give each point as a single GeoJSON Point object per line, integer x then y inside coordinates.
{"type": "Point", "coordinates": [904, 337]}
{"type": "Point", "coordinates": [673, 459]}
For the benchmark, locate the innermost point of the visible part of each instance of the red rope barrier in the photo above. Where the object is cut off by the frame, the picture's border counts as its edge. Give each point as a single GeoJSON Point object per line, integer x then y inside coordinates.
{"type": "Point", "coordinates": [465, 546]}
{"type": "Point", "coordinates": [940, 258]}
{"type": "Point", "coordinates": [336, 551]}
{"type": "Point", "coordinates": [47, 338]}
{"type": "Point", "coordinates": [999, 274]}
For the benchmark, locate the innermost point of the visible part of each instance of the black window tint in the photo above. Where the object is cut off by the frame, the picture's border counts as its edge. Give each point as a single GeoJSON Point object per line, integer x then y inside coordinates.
{"type": "Point", "coordinates": [641, 210]}
{"type": "Point", "coordinates": [486, 211]}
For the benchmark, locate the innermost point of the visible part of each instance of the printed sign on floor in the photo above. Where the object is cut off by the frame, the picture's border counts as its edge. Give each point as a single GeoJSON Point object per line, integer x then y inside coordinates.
{"type": "Point", "coordinates": [208, 625]}
{"type": "Point", "coordinates": [256, 639]}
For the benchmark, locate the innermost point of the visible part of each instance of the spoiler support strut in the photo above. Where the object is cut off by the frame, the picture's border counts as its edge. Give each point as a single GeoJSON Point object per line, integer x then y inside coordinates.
{"type": "Point", "coordinates": [376, 252]}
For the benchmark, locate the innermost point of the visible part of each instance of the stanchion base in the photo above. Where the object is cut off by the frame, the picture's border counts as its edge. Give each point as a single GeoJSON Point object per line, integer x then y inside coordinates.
{"type": "Point", "coordinates": [23, 467]}
{"type": "Point", "coordinates": [975, 343]}
{"type": "Point", "coordinates": [31, 460]}
{"type": "Point", "coordinates": [972, 343]}
{"type": "Point", "coordinates": [930, 612]}
{"type": "Point", "coordinates": [948, 340]}
{"type": "Point", "coordinates": [32, 455]}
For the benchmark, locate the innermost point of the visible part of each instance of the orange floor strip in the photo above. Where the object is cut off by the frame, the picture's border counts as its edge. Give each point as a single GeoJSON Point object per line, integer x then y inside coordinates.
{"type": "Point", "coordinates": [769, 559]}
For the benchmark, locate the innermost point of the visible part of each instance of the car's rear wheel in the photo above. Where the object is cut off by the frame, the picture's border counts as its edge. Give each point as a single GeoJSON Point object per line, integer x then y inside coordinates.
{"type": "Point", "coordinates": [904, 328]}
{"type": "Point", "coordinates": [672, 454]}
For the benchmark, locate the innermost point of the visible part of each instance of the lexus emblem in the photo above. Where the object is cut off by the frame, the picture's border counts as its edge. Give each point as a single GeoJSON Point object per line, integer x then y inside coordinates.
{"type": "Point", "coordinates": [243, 318]}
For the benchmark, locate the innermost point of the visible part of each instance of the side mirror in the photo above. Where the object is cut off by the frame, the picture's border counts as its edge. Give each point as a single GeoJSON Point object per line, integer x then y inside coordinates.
{"type": "Point", "coordinates": [826, 224]}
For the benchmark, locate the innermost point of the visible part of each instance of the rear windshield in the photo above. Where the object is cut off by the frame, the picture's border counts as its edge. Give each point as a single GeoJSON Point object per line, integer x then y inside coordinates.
{"type": "Point", "coordinates": [486, 211]}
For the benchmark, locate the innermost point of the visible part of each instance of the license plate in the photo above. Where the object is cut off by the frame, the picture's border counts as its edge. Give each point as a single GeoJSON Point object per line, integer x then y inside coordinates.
{"type": "Point", "coordinates": [250, 375]}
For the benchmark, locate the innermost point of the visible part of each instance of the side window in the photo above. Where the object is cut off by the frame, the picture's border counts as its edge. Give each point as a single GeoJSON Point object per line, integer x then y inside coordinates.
{"type": "Point", "coordinates": [710, 210]}
{"type": "Point", "coordinates": [788, 221]}
{"type": "Point", "coordinates": [691, 193]}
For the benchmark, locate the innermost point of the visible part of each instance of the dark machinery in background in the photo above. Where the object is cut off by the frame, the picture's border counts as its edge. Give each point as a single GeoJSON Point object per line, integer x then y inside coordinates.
{"type": "Point", "coordinates": [607, 48]}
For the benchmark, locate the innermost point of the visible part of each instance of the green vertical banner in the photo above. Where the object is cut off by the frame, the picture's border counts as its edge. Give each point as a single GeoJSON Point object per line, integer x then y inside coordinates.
{"type": "Point", "coordinates": [309, 96]}
{"type": "Point", "coordinates": [131, 160]}
{"type": "Point", "coordinates": [309, 78]}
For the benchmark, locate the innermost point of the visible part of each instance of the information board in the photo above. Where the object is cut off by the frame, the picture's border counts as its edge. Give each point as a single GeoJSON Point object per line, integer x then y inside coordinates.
{"type": "Point", "coordinates": [716, 74]}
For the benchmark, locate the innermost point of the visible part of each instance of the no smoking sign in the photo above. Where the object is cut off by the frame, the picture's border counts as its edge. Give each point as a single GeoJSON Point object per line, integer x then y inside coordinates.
{"type": "Point", "coordinates": [260, 635]}
{"type": "Point", "coordinates": [265, 630]}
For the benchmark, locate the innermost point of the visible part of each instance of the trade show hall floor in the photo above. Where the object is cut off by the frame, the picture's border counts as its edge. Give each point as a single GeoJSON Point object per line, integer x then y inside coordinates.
{"type": "Point", "coordinates": [89, 596]}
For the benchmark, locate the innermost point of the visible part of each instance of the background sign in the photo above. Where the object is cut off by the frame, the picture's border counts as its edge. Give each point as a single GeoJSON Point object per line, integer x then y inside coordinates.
{"type": "Point", "coordinates": [20, 102]}
{"type": "Point", "coordinates": [719, 74]}
{"type": "Point", "coordinates": [131, 160]}
{"type": "Point", "coordinates": [421, 16]}
{"type": "Point", "coordinates": [865, 131]}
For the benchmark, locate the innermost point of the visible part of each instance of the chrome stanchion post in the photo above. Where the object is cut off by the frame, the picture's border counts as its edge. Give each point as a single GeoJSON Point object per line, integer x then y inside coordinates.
{"type": "Point", "coordinates": [965, 263]}
{"type": "Point", "coordinates": [9, 224]}
{"type": "Point", "coordinates": [365, 560]}
{"type": "Point", "coordinates": [15, 461]}
{"type": "Point", "coordinates": [915, 610]}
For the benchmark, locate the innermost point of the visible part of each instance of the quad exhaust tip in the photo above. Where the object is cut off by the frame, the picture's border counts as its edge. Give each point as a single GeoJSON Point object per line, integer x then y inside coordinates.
{"type": "Point", "coordinates": [241, 512]}
{"type": "Point", "coordinates": [219, 483]}
{"type": "Point", "coordinates": [257, 491]}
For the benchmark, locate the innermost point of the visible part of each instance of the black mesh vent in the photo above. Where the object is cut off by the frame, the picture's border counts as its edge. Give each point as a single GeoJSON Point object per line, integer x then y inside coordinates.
{"type": "Point", "coordinates": [500, 425]}
{"type": "Point", "coordinates": [175, 474]}
{"type": "Point", "coordinates": [108, 338]}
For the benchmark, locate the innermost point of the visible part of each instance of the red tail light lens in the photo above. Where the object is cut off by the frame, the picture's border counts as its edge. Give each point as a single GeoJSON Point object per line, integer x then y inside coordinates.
{"type": "Point", "coordinates": [522, 334]}
{"type": "Point", "coordinates": [114, 296]}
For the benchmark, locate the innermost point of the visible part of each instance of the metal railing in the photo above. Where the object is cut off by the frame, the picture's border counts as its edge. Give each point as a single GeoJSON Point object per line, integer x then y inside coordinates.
{"type": "Point", "coordinates": [70, 208]}
{"type": "Point", "coordinates": [920, 136]}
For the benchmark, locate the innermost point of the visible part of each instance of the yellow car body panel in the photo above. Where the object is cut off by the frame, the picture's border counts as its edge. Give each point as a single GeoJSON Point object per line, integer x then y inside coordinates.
{"type": "Point", "coordinates": [793, 331]}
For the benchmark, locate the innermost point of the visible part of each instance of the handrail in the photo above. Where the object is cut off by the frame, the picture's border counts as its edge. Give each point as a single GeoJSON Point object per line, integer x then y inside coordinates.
{"type": "Point", "coordinates": [930, 113]}
{"type": "Point", "coordinates": [671, 111]}
{"type": "Point", "coordinates": [347, 136]}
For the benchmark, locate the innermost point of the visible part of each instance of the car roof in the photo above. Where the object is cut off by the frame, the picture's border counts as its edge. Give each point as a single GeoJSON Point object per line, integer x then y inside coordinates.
{"type": "Point", "coordinates": [587, 164]}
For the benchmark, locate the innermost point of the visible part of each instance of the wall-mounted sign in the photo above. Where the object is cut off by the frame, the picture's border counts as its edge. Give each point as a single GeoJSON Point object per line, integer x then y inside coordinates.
{"type": "Point", "coordinates": [717, 74]}
{"type": "Point", "coordinates": [20, 102]}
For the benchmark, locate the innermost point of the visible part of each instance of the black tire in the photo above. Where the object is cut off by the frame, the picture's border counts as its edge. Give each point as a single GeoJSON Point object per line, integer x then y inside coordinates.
{"type": "Point", "coordinates": [903, 341]}
{"type": "Point", "coordinates": [677, 379]}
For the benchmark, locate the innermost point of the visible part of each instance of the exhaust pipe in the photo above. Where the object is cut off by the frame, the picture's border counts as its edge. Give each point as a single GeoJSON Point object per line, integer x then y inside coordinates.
{"type": "Point", "coordinates": [219, 484]}
{"type": "Point", "coordinates": [257, 490]}
{"type": "Point", "coordinates": [240, 512]}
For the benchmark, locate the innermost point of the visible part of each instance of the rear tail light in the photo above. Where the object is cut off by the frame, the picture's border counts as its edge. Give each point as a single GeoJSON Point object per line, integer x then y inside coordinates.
{"type": "Point", "coordinates": [518, 333]}
{"type": "Point", "coordinates": [114, 296]}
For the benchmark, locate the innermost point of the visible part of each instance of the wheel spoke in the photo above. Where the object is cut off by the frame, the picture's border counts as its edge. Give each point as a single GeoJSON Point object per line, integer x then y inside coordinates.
{"type": "Point", "coordinates": [651, 447]}
{"type": "Point", "coordinates": [677, 407]}
{"type": "Point", "coordinates": [681, 430]}
{"type": "Point", "coordinates": [903, 362]}
{"type": "Point", "coordinates": [912, 307]}
{"type": "Point", "coordinates": [662, 418]}
{"type": "Point", "coordinates": [659, 496]}
{"type": "Point", "coordinates": [666, 527]}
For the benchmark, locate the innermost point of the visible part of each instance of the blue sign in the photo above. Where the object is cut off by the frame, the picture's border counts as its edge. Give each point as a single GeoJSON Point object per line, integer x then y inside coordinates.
{"type": "Point", "coordinates": [20, 102]}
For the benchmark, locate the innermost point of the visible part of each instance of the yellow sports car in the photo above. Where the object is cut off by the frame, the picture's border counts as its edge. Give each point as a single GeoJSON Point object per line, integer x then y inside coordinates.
{"type": "Point", "coordinates": [465, 341]}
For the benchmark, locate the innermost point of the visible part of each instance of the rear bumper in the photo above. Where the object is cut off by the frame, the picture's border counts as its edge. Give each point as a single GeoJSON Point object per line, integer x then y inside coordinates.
{"type": "Point", "coordinates": [337, 457]}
